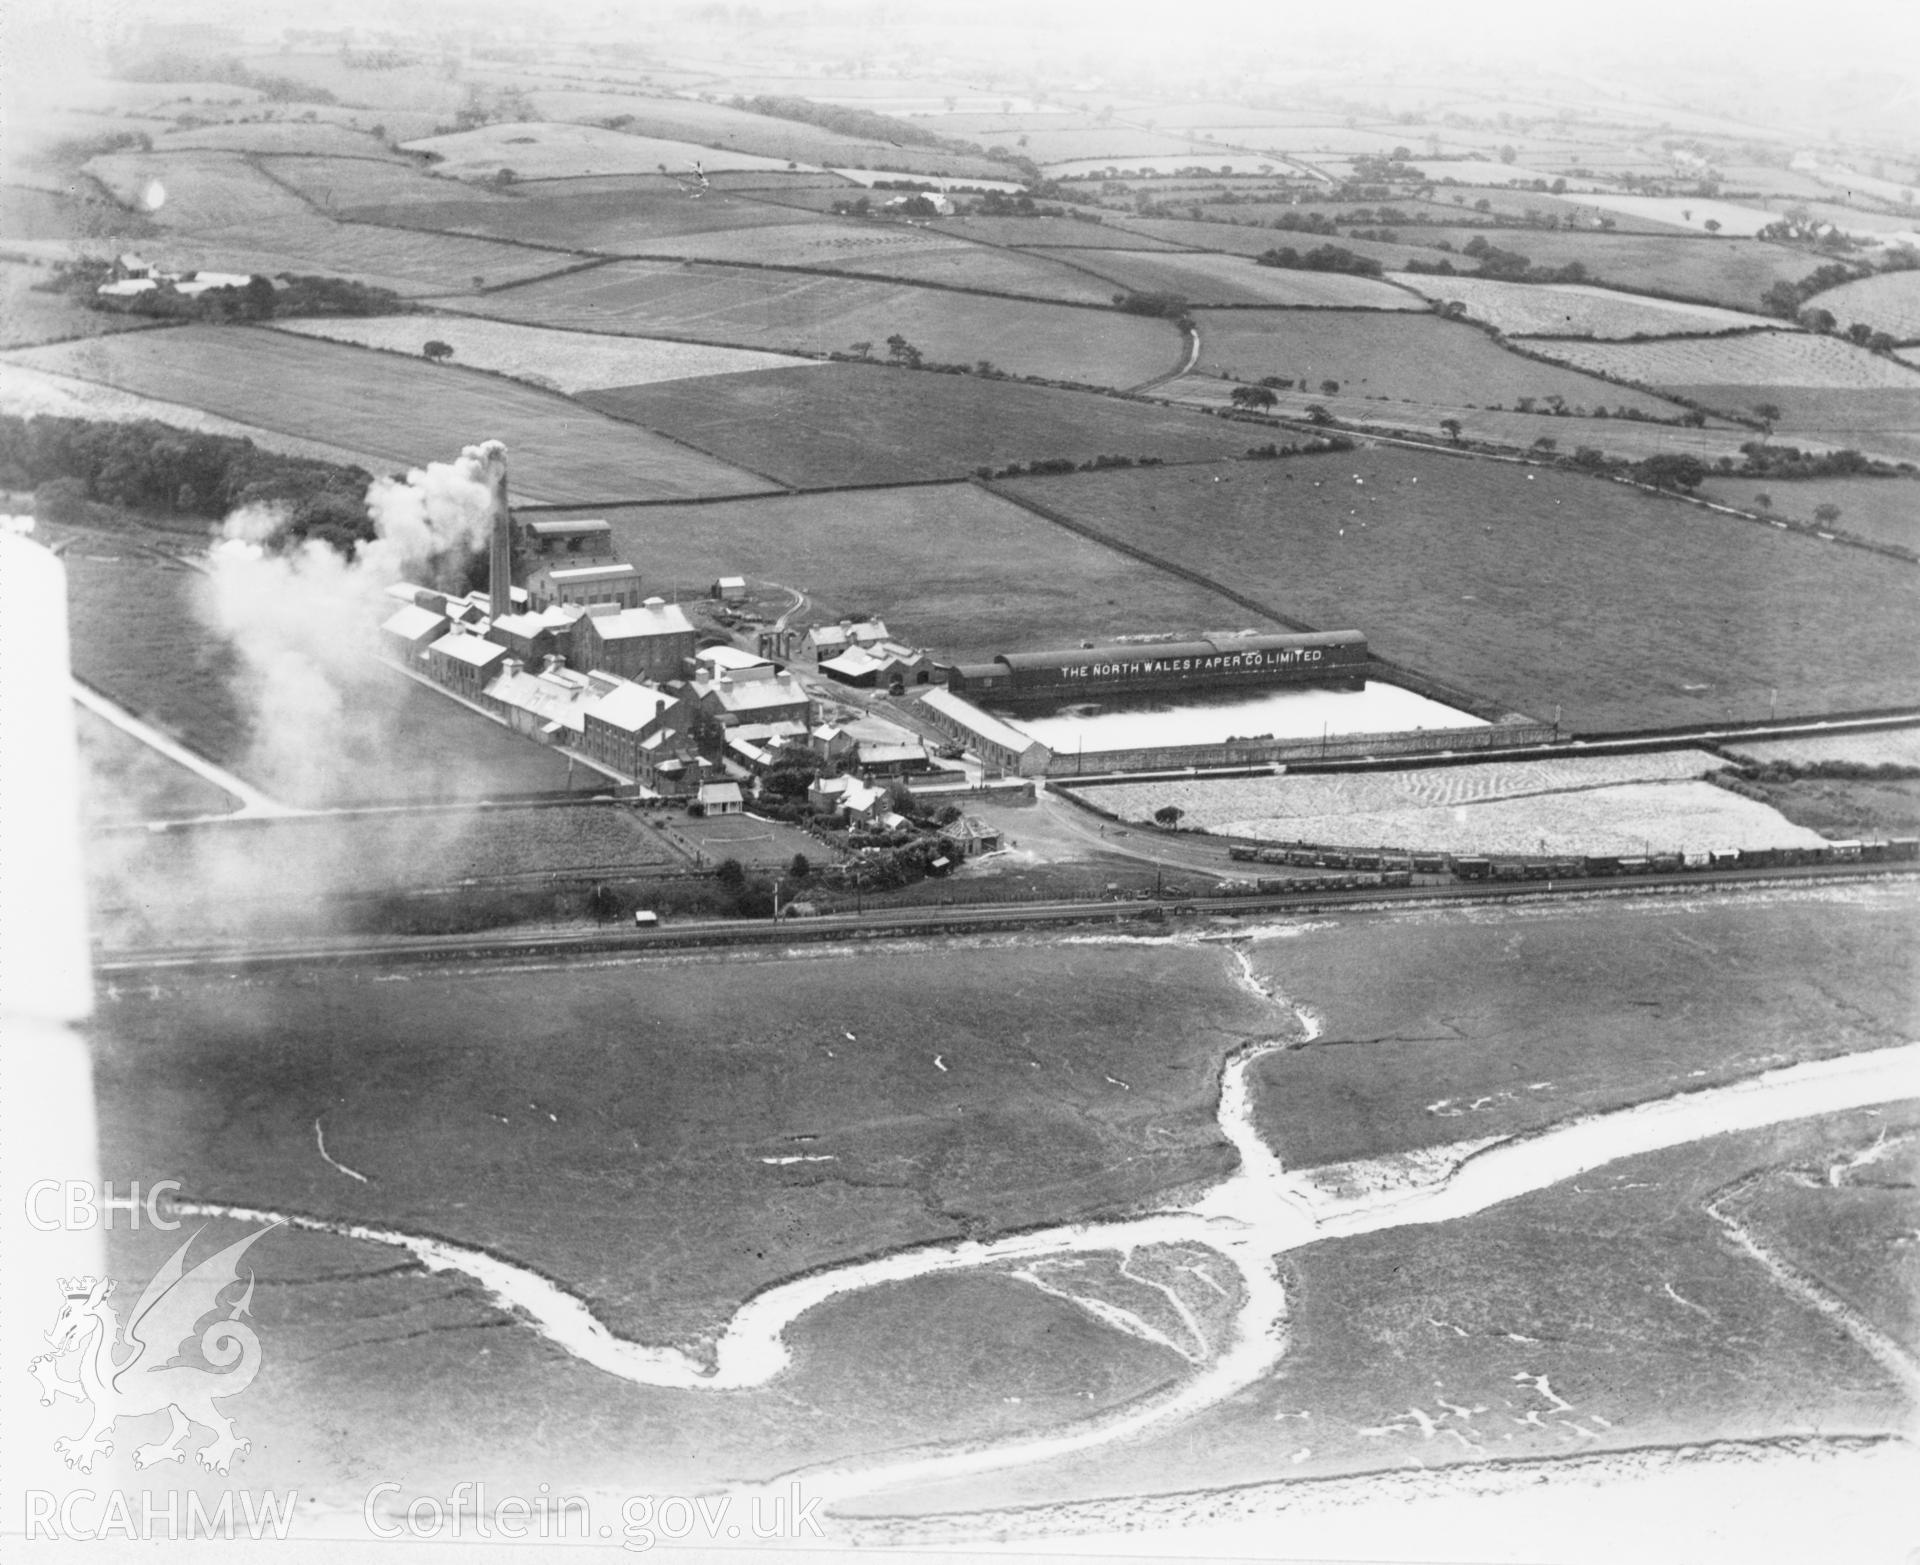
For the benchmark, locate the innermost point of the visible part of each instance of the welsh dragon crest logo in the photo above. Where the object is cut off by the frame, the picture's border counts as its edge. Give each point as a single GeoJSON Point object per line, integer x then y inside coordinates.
{"type": "Point", "coordinates": [143, 1372]}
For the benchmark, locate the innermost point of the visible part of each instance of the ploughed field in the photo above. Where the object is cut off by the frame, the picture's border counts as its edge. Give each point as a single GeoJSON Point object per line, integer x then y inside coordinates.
{"type": "Point", "coordinates": [1542, 589]}
{"type": "Point", "coordinates": [813, 313]}
{"type": "Point", "coordinates": [1570, 310]}
{"type": "Point", "coordinates": [1888, 302]}
{"type": "Point", "coordinates": [664, 1158]}
{"type": "Point", "coordinates": [949, 566]}
{"type": "Point", "coordinates": [406, 409]}
{"type": "Point", "coordinates": [818, 425]}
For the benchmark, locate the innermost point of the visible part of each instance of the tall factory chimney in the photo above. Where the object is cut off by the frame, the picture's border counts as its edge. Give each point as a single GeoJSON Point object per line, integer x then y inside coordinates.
{"type": "Point", "coordinates": [493, 461]}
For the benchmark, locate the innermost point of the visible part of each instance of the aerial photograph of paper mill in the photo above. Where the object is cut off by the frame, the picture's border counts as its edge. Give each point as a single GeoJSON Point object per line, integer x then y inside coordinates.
{"type": "Point", "coordinates": [867, 777]}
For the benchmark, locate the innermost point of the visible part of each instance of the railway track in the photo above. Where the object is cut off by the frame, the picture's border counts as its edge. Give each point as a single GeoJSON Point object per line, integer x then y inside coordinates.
{"type": "Point", "coordinates": [908, 922]}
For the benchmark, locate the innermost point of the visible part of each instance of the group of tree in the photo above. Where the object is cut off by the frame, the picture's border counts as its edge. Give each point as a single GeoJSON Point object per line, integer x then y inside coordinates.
{"type": "Point", "coordinates": [1507, 266]}
{"type": "Point", "coordinates": [1165, 306]}
{"type": "Point", "coordinates": [157, 468]}
{"type": "Point", "coordinates": [172, 66]}
{"type": "Point", "coordinates": [257, 299]}
{"type": "Point", "coordinates": [1322, 258]}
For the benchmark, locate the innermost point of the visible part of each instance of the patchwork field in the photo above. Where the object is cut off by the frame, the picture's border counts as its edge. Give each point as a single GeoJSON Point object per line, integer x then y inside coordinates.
{"type": "Point", "coordinates": [1730, 272]}
{"type": "Point", "coordinates": [412, 264]}
{"type": "Point", "coordinates": [1736, 221]}
{"type": "Point", "coordinates": [25, 392]}
{"type": "Point", "coordinates": [1046, 233]}
{"type": "Point", "coordinates": [568, 361]}
{"type": "Point", "coordinates": [1886, 510]}
{"type": "Point", "coordinates": [1563, 310]}
{"type": "Point", "coordinates": [1112, 143]}
{"type": "Point", "coordinates": [1541, 589]}
{"type": "Point", "coordinates": [1230, 279]}
{"type": "Point", "coordinates": [859, 424]}
{"type": "Point", "coordinates": [365, 187]}
{"type": "Point", "coordinates": [551, 151]}
{"type": "Point", "coordinates": [888, 250]}
{"type": "Point", "coordinates": [197, 191]}
{"type": "Point", "coordinates": [1882, 423]}
{"type": "Point", "coordinates": [1616, 436]}
{"type": "Point", "coordinates": [949, 566]}
{"type": "Point", "coordinates": [314, 139]}
{"type": "Point", "coordinates": [408, 411]}
{"type": "Point", "coordinates": [798, 311]}
{"type": "Point", "coordinates": [598, 216]}
{"type": "Point", "coordinates": [1889, 302]}
{"type": "Point", "coordinates": [1400, 356]}
{"type": "Point", "coordinates": [1760, 359]}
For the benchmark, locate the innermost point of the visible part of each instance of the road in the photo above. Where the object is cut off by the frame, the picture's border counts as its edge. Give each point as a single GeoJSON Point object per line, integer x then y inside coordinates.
{"type": "Point", "coordinates": [253, 803]}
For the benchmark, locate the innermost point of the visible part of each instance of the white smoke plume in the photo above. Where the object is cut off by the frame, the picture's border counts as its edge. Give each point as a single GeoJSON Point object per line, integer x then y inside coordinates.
{"type": "Point", "coordinates": [303, 624]}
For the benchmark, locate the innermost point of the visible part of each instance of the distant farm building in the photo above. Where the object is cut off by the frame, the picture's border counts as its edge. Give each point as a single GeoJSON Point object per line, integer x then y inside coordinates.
{"type": "Point", "coordinates": [730, 589]}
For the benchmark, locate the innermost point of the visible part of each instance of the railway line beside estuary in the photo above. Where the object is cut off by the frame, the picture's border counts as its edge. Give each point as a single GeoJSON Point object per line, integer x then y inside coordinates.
{"type": "Point", "coordinates": [1144, 917]}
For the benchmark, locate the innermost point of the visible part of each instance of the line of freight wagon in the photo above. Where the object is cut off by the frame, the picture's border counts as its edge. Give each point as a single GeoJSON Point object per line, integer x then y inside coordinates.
{"type": "Point", "coordinates": [1574, 866]}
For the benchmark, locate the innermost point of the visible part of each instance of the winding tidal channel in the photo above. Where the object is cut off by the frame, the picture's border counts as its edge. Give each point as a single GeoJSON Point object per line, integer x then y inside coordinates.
{"type": "Point", "coordinates": [1249, 1218]}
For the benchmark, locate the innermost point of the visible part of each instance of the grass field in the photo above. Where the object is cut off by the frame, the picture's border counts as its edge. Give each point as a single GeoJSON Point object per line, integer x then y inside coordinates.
{"type": "Point", "coordinates": [197, 191]}
{"type": "Point", "coordinates": [322, 138]}
{"type": "Point", "coordinates": [421, 86]}
{"type": "Point", "coordinates": [137, 636]}
{"type": "Point", "coordinates": [861, 424]}
{"type": "Point", "coordinates": [1730, 272]}
{"type": "Point", "coordinates": [1531, 309]}
{"type": "Point", "coordinates": [1230, 279]}
{"type": "Point", "coordinates": [561, 151]}
{"type": "Point", "coordinates": [122, 780]}
{"type": "Point", "coordinates": [27, 316]}
{"type": "Point", "coordinates": [597, 216]}
{"type": "Point", "coordinates": [1539, 589]}
{"type": "Point", "coordinates": [1735, 220]}
{"type": "Point", "coordinates": [1874, 747]}
{"type": "Point", "coordinates": [797, 311]}
{"type": "Point", "coordinates": [1105, 143]}
{"type": "Point", "coordinates": [407, 410]}
{"type": "Point", "coordinates": [1403, 357]}
{"type": "Point", "coordinates": [1883, 423]}
{"type": "Point", "coordinates": [1889, 302]}
{"type": "Point", "coordinates": [888, 250]}
{"type": "Point", "coordinates": [353, 185]}
{"type": "Point", "coordinates": [949, 567]}
{"type": "Point", "coordinates": [1046, 233]}
{"type": "Point", "coordinates": [1884, 509]}
{"type": "Point", "coordinates": [1759, 359]}
{"type": "Point", "coordinates": [566, 361]}
{"type": "Point", "coordinates": [412, 264]}
{"type": "Point", "coordinates": [1616, 436]}
{"type": "Point", "coordinates": [25, 392]}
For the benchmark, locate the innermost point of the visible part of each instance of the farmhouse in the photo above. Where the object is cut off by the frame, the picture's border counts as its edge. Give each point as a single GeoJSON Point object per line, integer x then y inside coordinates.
{"type": "Point", "coordinates": [999, 745]}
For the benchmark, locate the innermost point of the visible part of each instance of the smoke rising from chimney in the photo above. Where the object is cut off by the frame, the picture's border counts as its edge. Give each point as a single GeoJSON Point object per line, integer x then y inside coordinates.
{"type": "Point", "coordinates": [303, 624]}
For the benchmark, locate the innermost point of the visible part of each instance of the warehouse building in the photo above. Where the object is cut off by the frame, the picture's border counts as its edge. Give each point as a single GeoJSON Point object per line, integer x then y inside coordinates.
{"type": "Point", "coordinates": [465, 663]}
{"type": "Point", "coordinates": [612, 583]}
{"type": "Point", "coordinates": [574, 540]}
{"type": "Point", "coordinates": [777, 699]}
{"type": "Point", "coordinates": [1214, 662]}
{"type": "Point", "coordinates": [999, 745]}
{"type": "Point", "coordinates": [651, 642]}
{"type": "Point", "coordinates": [633, 728]}
{"type": "Point", "coordinates": [408, 632]}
